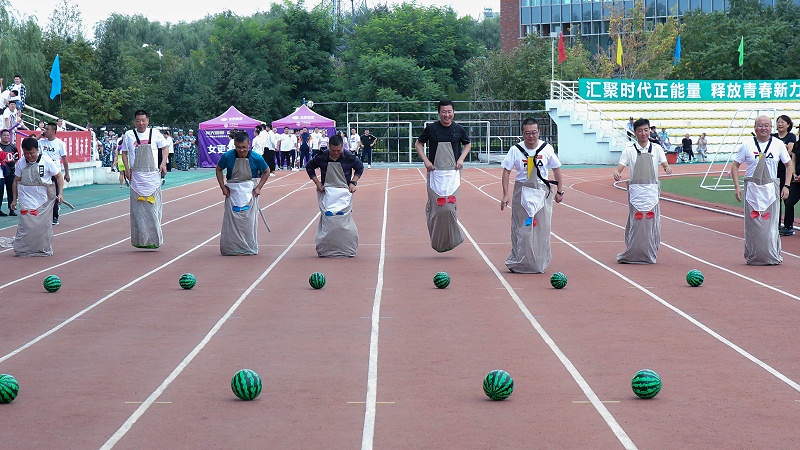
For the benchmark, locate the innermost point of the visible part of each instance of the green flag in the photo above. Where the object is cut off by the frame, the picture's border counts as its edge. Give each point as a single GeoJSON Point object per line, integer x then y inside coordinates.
{"type": "Point", "coordinates": [741, 52]}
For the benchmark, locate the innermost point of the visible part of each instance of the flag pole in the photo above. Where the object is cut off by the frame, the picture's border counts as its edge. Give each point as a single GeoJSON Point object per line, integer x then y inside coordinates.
{"type": "Point", "coordinates": [553, 34]}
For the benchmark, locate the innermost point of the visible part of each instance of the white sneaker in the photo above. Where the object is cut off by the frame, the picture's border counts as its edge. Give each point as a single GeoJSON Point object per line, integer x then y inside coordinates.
{"type": "Point", "coordinates": [369, 166]}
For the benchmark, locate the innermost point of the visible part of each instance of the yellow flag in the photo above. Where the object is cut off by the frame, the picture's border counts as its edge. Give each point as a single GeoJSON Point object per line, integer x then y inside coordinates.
{"type": "Point", "coordinates": [619, 50]}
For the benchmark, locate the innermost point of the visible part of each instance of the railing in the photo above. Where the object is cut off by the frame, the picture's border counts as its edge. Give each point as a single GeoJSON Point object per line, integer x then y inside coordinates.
{"type": "Point", "coordinates": [32, 116]}
{"type": "Point", "coordinates": [567, 91]}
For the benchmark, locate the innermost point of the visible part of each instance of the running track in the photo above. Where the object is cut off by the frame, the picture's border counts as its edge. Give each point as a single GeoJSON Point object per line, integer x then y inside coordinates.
{"type": "Point", "coordinates": [122, 357]}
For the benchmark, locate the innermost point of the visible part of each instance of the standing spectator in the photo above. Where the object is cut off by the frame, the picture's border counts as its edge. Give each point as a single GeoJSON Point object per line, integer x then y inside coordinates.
{"type": "Point", "coordinates": [56, 150]}
{"type": "Point", "coordinates": [762, 155]}
{"type": "Point", "coordinates": [315, 141]}
{"type": "Point", "coordinates": [119, 163]}
{"type": "Point", "coordinates": [259, 144]}
{"type": "Point", "coordinates": [323, 141]}
{"type": "Point", "coordinates": [20, 88]}
{"type": "Point", "coordinates": [272, 143]}
{"type": "Point", "coordinates": [285, 145]}
{"type": "Point", "coordinates": [7, 184]}
{"type": "Point", "coordinates": [354, 142]}
{"type": "Point", "coordinates": [192, 140]}
{"type": "Point", "coordinates": [305, 148]}
{"type": "Point", "coordinates": [170, 152]}
{"type": "Point", "coordinates": [61, 126]}
{"type": "Point", "coordinates": [794, 195]}
{"type": "Point", "coordinates": [784, 125]}
{"type": "Point", "coordinates": [664, 136]}
{"type": "Point", "coordinates": [629, 130]}
{"type": "Point", "coordinates": [367, 143]}
{"type": "Point", "coordinates": [686, 143]}
{"type": "Point", "coordinates": [231, 134]}
{"type": "Point", "coordinates": [702, 146]}
{"type": "Point", "coordinates": [11, 117]}
{"type": "Point", "coordinates": [643, 230]}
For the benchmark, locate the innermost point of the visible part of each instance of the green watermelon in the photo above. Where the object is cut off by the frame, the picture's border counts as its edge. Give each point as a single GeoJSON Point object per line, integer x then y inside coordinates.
{"type": "Point", "coordinates": [246, 384]}
{"type": "Point", "coordinates": [9, 388]}
{"type": "Point", "coordinates": [694, 278]}
{"type": "Point", "coordinates": [187, 281]}
{"type": "Point", "coordinates": [558, 280]}
{"type": "Point", "coordinates": [317, 280]}
{"type": "Point", "coordinates": [441, 280]}
{"type": "Point", "coordinates": [52, 283]}
{"type": "Point", "coordinates": [498, 385]}
{"type": "Point", "coordinates": [646, 384]}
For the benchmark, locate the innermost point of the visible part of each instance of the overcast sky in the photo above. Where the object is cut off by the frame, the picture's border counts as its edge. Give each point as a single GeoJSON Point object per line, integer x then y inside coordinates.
{"type": "Point", "coordinates": [93, 11]}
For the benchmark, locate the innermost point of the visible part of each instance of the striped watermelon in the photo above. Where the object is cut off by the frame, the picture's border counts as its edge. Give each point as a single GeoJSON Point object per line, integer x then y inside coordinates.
{"type": "Point", "coordinates": [9, 388]}
{"type": "Point", "coordinates": [317, 280]}
{"type": "Point", "coordinates": [187, 281]}
{"type": "Point", "coordinates": [441, 280]}
{"type": "Point", "coordinates": [498, 385]}
{"type": "Point", "coordinates": [558, 280]}
{"type": "Point", "coordinates": [52, 283]}
{"type": "Point", "coordinates": [694, 278]}
{"type": "Point", "coordinates": [646, 383]}
{"type": "Point", "coordinates": [246, 384]}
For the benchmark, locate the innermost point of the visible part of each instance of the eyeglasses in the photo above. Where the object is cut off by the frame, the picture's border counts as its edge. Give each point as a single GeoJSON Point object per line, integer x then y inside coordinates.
{"type": "Point", "coordinates": [762, 126]}
{"type": "Point", "coordinates": [530, 133]}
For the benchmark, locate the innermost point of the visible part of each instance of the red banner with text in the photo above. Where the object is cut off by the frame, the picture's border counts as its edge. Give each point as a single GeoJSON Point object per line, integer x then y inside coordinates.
{"type": "Point", "coordinates": [78, 143]}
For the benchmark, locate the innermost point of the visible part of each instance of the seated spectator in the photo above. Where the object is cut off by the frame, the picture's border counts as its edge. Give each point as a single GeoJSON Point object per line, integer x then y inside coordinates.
{"type": "Point", "coordinates": [702, 146]}
{"type": "Point", "coordinates": [687, 146]}
{"type": "Point", "coordinates": [664, 139]}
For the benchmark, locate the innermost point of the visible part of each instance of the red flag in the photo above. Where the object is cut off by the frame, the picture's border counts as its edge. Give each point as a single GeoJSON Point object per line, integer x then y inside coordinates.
{"type": "Point", "coordinates": [562, 55]}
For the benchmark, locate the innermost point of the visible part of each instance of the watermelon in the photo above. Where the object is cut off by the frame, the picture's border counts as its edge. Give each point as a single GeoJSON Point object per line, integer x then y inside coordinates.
{"type": "Point", "coordinates": [646, 383]}
{"type": "Point", "coordinates": [317, 280]}
{"type": "Point", "coordinates": [558, 280]}
{"type": "Point", "coordinates": [441, 280]}
{"type": "Point", "coordinates": [694, 278]}
{"type": "Point", "coordinates": [52, 283]}
{"type": "Point", "coordinates": [246, 384]}
{"type": "Point", "coordinates": [187, 281]}
{"type": "Point", "coordinates": [498, 385]}
{"type": "Point", "coordinates": [9, 388]}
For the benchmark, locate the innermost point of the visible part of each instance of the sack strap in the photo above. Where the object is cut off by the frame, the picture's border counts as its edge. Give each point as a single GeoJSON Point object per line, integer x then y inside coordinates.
{"type": "Point", "coordinates": [538, 174]}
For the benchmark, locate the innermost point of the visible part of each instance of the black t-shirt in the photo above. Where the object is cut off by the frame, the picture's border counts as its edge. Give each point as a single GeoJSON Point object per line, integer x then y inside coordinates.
{"type": "Point", "coordinates": [789, 138]}
{"type": "Point", "coordinates": [367, 141]}
{"type": "Point", "coordinates": [436, 132]}
{"type": "Point", "coordinates": [686, 143]}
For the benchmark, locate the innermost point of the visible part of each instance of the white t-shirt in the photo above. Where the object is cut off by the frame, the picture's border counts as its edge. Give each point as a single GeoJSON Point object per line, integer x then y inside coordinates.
{"type": "Point", "coordinates": [12, 118]}
{"type": "Point", "coordinates": [315, 137]}
{"type": "Point", "coordinates": [287, 142]}
{"type": "Point", "coordinates": [272, 140]}
{"type": "Point", "coordinates": [259, 142]}
{"type": "Point", "coordinates": [545, 160]}
{"type": "Point", "coordinates": [129, 143]}
{"type": "Point", "coordinates": [170, 144]}
{"type": "Point", "coordinates": [32, 197]}
{"type": "Point", "coordinates": [54, 150]}
{"type": "Point", "coordinates": [355, 139]}
{"type": "Point", "coordinates": [774, 151]}
{"type": "Point", "coordinates": [629, 155]}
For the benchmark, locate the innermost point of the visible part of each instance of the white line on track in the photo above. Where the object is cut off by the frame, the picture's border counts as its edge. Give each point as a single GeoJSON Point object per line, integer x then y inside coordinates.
{"type": "Point", "coordinates": [120, 433]}
{"type": "Point", "coordinates": [368, 434]}
{"type": "Point", "coordinates": [77, 315]}
{"type": "Point", "coordinates": [686, 316]}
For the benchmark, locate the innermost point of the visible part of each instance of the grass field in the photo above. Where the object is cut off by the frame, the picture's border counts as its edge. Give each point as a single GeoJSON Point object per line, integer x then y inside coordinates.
{"type": "Point", "coordinates": [689, 186]}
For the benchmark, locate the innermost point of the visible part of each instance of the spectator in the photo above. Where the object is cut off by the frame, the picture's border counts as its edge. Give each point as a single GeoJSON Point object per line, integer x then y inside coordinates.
{"type": "Point", "coordinates": [61, 126]}
{"type": "Point", "coordinates": [286, 142]}
{"type": "Point", "coordinates": [305, 148]}
{"type": "Point", "coordinates": [323, 141]}
{"type": "Point", "coordinates": [56, 150]}
{"type": "Point", "coordinates": [367, 143]}
{"type": "Point", "coordinates": [629, 130]}
{"type": "Point", "coordinates": [654, 137]}
{"type": "Point", "coordinates": [702, 146]}
{"type": "Point", "coordinates": [316, 136]}
{"type": "Point", "coordinates": [664, 136]}
{"type": "Point", "coordinates": [192, 149]}
{"type": "Point", "coordinates": [784, 125]}
{"type": "Point", "coordinates": [686, 143]}
{"type": "Point", "coordinates": [11, 117]}
{"type": "Point", "coordinates": [20, 88]}
{"type": "Point", "coordinates": [7, 173]}
{"type": "Point", "coordinates": [170, 153]}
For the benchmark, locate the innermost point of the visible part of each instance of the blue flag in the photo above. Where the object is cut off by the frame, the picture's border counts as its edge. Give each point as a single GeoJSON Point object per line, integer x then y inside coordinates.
{"type": "Point", "coordinates": [677, 57]}
{"type": "Point", "coordinates": [55, 75]}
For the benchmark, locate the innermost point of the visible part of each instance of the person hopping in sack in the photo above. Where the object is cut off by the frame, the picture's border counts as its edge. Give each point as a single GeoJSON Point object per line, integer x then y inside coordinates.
{"type": "Point", "coordinates": [337, 234]}
{"type": "Point", "coordinates": [448, 146]}
{"type": "Point", "coordinates": [246, 174]}
{"type": "Point", "coordinates": [532, 199]}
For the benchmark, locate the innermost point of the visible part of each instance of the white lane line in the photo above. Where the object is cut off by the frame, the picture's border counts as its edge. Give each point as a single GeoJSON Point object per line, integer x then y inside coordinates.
{"type": "Point", "coordinates": [587, 390]}
{"type": "Point", "coordinates": [686, 316]}
{"type": "Point", "coordinates": [368, 434]}
{"type": "Point", "coordinates": [120, 433]}
{"type": "Point", "coordinates": [77, 315]}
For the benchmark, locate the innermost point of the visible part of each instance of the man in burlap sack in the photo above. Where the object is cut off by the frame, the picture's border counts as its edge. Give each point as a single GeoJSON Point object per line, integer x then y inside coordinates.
{"type": "Point", "coordinates": [643, 230]}
{"type": "Point", "coordinates": [762, 193]}
{"type": "Point", "coordinates": [35, 195]}
{"type": "Point", "coordinates": [140, 149]}
{"type": "Point", "coordinates": [247, 172]}
{"type": "Point", "coordinates": [337, 234]}
{"type": "Point", "coordinates": [532, 199]}
{"type": "Point", "coordinates": [444, 161]}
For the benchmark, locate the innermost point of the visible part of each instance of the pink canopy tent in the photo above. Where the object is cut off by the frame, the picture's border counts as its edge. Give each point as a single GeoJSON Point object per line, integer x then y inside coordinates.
{"type": "Point", "coordinates": [212, 135]}
{"type": "Point", "coordinates": [305, 117]}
